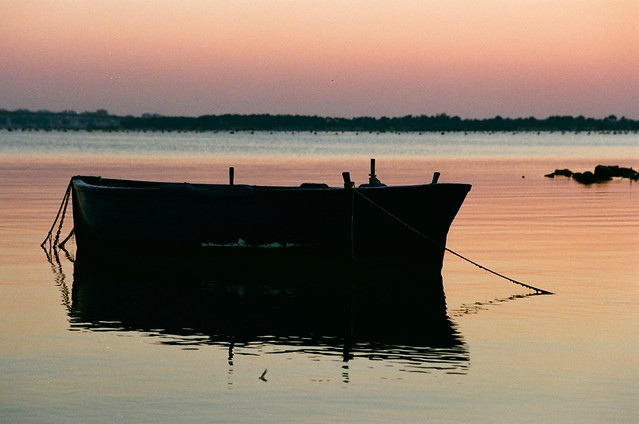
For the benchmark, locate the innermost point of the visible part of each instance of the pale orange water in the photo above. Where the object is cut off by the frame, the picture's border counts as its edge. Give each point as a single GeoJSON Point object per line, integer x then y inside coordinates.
{"type": "Point", "coordinates": [569, 357]}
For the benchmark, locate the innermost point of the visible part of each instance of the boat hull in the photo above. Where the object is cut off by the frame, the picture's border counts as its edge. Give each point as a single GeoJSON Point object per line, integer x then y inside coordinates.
{"type": "Point", "coordinates": [402, 226]}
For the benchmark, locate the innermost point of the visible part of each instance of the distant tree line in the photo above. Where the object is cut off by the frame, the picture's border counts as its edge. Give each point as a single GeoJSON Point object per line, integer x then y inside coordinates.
{"type": "Point", "coordinates": [102, 120]}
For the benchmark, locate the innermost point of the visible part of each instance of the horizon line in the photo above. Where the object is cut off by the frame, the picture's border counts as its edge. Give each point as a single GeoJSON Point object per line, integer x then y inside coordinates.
{"type": "Point", "coordinates": [443, 115]}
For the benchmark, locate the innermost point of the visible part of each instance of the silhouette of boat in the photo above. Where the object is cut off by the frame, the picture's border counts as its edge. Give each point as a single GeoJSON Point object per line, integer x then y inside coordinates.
{"type": "Point", "coordinates": [312, 225]}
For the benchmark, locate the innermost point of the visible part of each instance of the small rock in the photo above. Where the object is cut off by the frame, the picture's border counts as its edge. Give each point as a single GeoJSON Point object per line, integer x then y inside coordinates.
{"type": "Point", "coordinates": [560, 172]}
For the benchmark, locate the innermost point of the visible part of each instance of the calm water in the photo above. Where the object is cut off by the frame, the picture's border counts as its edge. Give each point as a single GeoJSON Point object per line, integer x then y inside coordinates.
{"type": "Point", "coordinates": [107, 345]}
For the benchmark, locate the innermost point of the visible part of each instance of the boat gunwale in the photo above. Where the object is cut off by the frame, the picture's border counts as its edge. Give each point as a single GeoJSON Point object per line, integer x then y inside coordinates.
{"type": "Point", "coordinates": [122, 184]}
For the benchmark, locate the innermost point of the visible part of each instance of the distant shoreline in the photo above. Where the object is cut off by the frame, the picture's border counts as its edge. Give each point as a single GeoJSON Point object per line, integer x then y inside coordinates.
{"type": "Point", "coordinates": [102, 120]}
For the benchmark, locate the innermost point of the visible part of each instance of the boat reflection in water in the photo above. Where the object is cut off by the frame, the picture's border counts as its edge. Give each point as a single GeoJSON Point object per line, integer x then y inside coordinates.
{"type": "Point", "coordinates": [384, 315]}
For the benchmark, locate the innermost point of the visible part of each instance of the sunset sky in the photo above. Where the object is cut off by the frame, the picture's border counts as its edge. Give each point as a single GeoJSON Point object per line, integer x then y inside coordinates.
{"type": "Point", "coordinates": [471, 58]}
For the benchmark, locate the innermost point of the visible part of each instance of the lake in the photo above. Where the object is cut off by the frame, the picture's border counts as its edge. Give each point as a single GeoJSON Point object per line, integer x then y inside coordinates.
{"type": "Point", "coordinates": [108, 345]}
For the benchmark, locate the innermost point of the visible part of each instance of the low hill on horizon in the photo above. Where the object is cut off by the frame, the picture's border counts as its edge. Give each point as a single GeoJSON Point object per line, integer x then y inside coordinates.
{"type": "Point", "coordinates": [101, 120]}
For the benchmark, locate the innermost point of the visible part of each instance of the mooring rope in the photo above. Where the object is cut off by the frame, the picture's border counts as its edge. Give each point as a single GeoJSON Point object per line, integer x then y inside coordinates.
{"type": "Point", "coordinates": [63, 242]}
{"type": "Point", "coordinates": [538, 290]}
{"type": "Point", "coordinates": [60, 216]}
{"type": "Point", "coordinates": [352, 226]}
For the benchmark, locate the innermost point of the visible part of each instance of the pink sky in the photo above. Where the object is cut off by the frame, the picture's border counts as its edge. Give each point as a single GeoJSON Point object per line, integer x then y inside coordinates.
{"type": "Point", "coordinates": [472, 58]}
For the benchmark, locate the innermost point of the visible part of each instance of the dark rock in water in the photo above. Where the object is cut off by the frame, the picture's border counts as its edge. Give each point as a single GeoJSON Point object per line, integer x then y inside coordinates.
{"type": "Point", "coordinates": [602, 174]}
{"type": "Point", "coordinates": [561, 172]}
{"type": "Point", "coordinates": [584, 177]}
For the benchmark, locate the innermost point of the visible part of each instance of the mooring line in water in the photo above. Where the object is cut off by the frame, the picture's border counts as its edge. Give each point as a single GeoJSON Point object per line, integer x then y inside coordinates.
{"type": "Point", "coordinates": [474, 308]}
{"type": "Point", "coordinates": [63, 242]}
{"type": "Point", "coordinates": [54, 242]}
{"type": "Point", "coordinates": [538, 290]}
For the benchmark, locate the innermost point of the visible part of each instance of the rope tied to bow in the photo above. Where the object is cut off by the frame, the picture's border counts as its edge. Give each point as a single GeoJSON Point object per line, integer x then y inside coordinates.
{"type": "Point", "coordinates": [430, 239]}
{"type": "Point", "coordinates": [54, 241]}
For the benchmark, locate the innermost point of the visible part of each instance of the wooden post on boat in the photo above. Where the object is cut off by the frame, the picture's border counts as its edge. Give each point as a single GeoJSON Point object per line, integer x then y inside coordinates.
{"type": "Point", "coordinates": [347, 180]}
{"type": "Point", "coordinates": [231, 175]}
{"type": "Point", "coordinates": [435, 178]}
{"type": "Point", "coordinates": [350, 187]}
{"type": "Point", "coordinates": [372, 178]}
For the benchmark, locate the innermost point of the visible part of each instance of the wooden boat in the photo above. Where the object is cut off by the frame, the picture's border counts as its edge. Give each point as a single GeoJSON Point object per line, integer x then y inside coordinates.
{"type": "Point", "coordinates": [310, 225]}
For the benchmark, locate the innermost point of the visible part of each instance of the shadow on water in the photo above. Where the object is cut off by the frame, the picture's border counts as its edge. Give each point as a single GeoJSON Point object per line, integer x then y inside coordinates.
{"type": "Point", "coordinates": [340, 314]}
